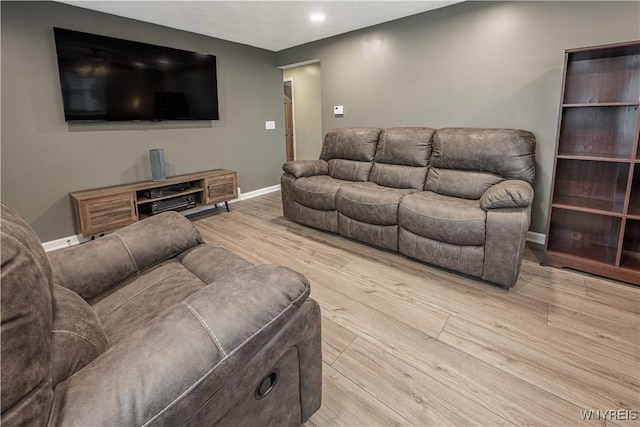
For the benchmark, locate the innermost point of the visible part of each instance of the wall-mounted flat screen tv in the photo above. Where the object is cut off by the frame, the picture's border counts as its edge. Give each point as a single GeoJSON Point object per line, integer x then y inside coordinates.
{"type": "Point", "coordinates": [105, 78]}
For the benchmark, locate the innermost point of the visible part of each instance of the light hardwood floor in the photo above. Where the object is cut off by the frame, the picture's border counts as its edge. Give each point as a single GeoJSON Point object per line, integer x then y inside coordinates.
{"type": "Point", "coordinates": [405, 343]}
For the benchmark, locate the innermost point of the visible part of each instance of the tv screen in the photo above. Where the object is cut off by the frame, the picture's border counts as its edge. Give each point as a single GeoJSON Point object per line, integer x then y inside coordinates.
{"type": "Point", "coordinates": [105, 78]}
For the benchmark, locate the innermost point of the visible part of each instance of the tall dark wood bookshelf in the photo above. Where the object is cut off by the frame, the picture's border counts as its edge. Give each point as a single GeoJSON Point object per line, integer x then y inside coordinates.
{"type": "Point", "coordinates": [594, 212]}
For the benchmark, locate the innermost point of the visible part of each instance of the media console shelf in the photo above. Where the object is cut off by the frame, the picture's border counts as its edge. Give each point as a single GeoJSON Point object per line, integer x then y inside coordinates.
{"type": "Point", "coordinates": [106, 209]}
{"type": "Point", "coordinates": [594, 213]}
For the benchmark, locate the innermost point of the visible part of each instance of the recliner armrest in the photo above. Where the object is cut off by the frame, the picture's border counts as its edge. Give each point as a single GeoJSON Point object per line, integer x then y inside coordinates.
{"type": "Point", "coordinates": [507, 194]}
{"type": "Point", "coordinates": [94, 267]}
{"type": "Point", "coordinates": [163, 373]}
{"type": "Point", "coordinates": [303, 168]}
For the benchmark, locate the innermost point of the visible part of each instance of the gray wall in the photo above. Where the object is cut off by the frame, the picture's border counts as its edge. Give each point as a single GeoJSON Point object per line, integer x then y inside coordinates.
{"type": "Point", "coordinates": [44, 158]}
{"type": "Point", "coordinates": [307, 105]}
{"type": "Point", "coordinates": [484, 64]}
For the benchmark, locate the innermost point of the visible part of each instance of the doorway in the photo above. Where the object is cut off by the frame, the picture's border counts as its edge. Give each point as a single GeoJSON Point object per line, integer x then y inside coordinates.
{"type": "Point", "coordinates": [303, 123]}
{"type": "Point", "coordinates": [288, 120]}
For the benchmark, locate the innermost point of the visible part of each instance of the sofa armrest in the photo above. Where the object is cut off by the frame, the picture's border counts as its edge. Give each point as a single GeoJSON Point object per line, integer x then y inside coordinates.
{"type": "Point", "coordinates": [507, 194]}
{"type": "Point", "coordinates": [303, 168]}
{"type": "Point", "coordinates": [93, 268]}
{"type": "Point", "coordinates": [163, 373]}
{"type": "Point", "coordinates": [506, 235]}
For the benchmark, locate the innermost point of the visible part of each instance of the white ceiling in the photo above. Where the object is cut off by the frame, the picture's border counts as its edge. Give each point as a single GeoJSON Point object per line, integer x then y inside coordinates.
{"type": "Point", "coordinates": [271, 25]}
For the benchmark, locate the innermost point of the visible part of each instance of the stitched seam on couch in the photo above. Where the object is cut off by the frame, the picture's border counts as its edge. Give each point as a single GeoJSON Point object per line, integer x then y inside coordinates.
{"type": "Point", "coordinates": [140, 292]}
{"type": "Point", "coordinates": [202, 322]}
{"type": "Point", "coordinates": [197, 260]}
{"type": "Point", "coordinates": [126, 247]}
{"type": "Point", "coordinates": [110, 288]}
{"type": "Point", "coordinates": [475, 191]}
{"type": "Point", "coordinates": [238, 348]}
{"type": "Point", "coordinates": [446, 219]}
{"type": "Point", "coordinates": [38, 264]}
{"type": "Point", "coordinates": [520, 247]}
{"type": "Point", "coordinates": [201, 258]}
{"type": "Point", "coordinates": [520, 202]}
{"type": "Point", "coordinates": [369, 204]}
{"type": "Point", "coordinates": [75, 334]}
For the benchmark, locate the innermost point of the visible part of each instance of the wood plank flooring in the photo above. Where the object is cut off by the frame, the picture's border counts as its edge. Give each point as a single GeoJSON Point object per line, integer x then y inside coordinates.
{"type": "Point", "coordinates": [405, 343]}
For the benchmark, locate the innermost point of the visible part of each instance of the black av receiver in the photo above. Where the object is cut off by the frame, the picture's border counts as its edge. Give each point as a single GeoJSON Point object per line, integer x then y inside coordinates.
{"type": "Point", "coordinates": [174, 204]}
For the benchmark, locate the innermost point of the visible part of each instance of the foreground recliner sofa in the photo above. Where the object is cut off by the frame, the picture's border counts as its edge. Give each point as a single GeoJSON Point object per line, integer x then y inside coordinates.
{"type": "Point", "coordinates": [151, 326]}
{"type": "Point", "coordinates": [459, 198]}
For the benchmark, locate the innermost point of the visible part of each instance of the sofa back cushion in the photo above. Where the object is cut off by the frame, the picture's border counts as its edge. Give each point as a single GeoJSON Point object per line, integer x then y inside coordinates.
{"type": "Point", "coordinates": [350, 152]}
{"type": "Point", "coordinates": [465, 162]}
{"type": "Point", "coordinates": [402, 157]}
{"type": "Point", "coordinates": [27, 282]}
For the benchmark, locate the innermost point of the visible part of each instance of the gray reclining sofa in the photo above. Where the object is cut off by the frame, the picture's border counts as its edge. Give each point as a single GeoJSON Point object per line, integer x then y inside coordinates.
{"type": "Point", "coordinates": [149, 326]}
{"type": "Point", "coordinates": [459, 198]}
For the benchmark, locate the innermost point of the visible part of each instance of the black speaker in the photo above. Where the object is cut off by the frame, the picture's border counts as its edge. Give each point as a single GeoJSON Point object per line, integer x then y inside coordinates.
{"type": "Point", "coordinates": [158, 173]}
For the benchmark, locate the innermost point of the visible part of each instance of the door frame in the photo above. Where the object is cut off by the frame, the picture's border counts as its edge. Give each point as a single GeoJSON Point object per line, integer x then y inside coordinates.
{"type": "Point", "coordinates": [293, 113]}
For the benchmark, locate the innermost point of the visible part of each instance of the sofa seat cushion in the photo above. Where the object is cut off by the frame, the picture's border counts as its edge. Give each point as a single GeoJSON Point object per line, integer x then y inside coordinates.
{"type": "Point", "coordinates": [443, 218]}
{"type": "Point", "coordinates": [371, 203]}
{"type": "Point", "coordinates": [317, 192]}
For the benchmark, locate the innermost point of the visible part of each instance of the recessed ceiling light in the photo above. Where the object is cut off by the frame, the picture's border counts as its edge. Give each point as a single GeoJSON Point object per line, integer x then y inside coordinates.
{"type": "Point", "coordinates": [317, 17]}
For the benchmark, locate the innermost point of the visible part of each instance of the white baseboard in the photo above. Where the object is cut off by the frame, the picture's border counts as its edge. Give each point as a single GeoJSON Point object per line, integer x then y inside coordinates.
{"type": "Point", "coordinates": [534, 237]}
{"type": "Point", "coordinates": [256, 193]}
{"type": "Point", "coordinates": [77, 239]}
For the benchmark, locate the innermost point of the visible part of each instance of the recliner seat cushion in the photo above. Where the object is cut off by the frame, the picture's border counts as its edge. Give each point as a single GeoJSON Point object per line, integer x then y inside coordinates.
{"type": "Point", "coordinates": [442, 218]}
{"type": "Point", "coordinates": [317, 192]}
{"type": "Point", "coordinates": [371, 203]}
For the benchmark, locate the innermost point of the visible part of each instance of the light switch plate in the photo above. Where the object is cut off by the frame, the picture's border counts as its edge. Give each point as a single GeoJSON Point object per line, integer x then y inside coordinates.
{"type": "Point", "coordinates": [269, 124]}
{"type": "Point", "coordinates": [338, 110]}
